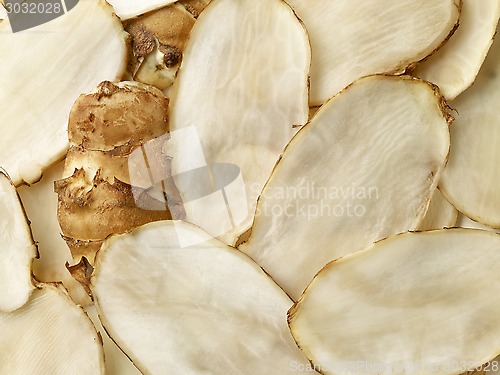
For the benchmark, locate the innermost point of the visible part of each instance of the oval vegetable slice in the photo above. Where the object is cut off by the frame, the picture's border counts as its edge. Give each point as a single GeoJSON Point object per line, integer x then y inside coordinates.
{"type": "Point", "coordinates": [471, 180]}
{"type": "Point", "coordinates": [416, 303]}
{"type": "Point", "coordinates": [44, 69]}
{"type": "Point", "coordinates": [352, 39]}
{"type": "Point", "coordinates": [202, 308]}
{"type": "Point", "coordinates": [241, 89]}
{"type": "Point", "coordinates": [455, 66]}
{"type": "Point", "coordinates": [364, 168]}
{"type": "Point", "coordinates": [17, 249]}
{"type": "Point", "coordinates": [49, 335]}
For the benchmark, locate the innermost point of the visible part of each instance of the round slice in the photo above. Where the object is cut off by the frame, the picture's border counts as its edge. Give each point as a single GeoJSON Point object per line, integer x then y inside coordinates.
{"type": "Point", "coordinates": [241, 91]}
{"type": "Point", "coordinates": [44, 69]}
{"type": "Point", "coordinates": [17, 249]}
{"type": "Point", "coordinates": [355, 38]}
{"type": "Point", "coordinates": [204, 308]}
{"type": "Point", "coordinates": [455, 66]}
{"type": "Point", "coordinates": [364, 168]}
{"type": "Point", "coordinates": [49, 335]}
{"type": "Point", "coordinates": [471, 180]}
{"type": "Point", "coordinates": [417, 303]}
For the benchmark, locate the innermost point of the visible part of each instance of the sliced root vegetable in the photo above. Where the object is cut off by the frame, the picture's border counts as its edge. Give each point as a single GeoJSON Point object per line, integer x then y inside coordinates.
{"type": "Point", "coordinates": [455, 66]}
{"type": "Point", "coordinates": [352, 39]}
{"type": "Point", "coordinates": [471, 179]}
{"type": "Point", "coordinates": [98, 195]}
{"type": "Point", "coordinates": [416, 303]}
{"type": "Point", "coordinates": [17, 249]}
{"type": "Point", "coordinates": [126, 9]}
{"type": "Point", "coordinates": [441, 213]}
{"type": "Point", "coordinates": [364, 168]}
{"type": "Point", "coordinates": [49, 335]}
{"type": "Point", "coordinates": [44, 69]}
{"type": "Point", "coordinates": [201, 308]}
{"type": "Point", "coordinates": [40, 202]}
{"type": "Point", "coordinates": [241, 89]}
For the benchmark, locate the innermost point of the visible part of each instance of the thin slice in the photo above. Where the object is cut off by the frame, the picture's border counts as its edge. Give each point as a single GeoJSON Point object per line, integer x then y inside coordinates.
{"type": "Point", "coordinates": [241, 89]}
{"type": "Point", "coordinates": [202, 308]}
{"type": "Point", "coordinates": [364, 168]}
{"type": "Point", "coordinates": [455, 66]}
{"type": "Point", "coordinates": [441, 214]}
{"type": "Point", "coordinates": [126, 9]}
{"type": "Point", "coordinates": [49, 335]}
{"type": "Point", "coordinates": [355, 38]}
{"type": "Point", "coordinates": [471, 180]}
{"type": "Point", "coordinates": [44, 69]}
{"type": "Point", "coordinates": [17, 249]}
{"type": "Point", "coordinates": [416, 303]}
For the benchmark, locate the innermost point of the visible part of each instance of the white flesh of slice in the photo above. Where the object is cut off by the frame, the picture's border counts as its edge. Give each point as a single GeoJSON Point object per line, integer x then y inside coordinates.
{"type": "Point", "coordinates": [355, 38]}
{"type": "Point", "coordinates": [40, 203]}
{"type": "Point", "coordinates": [49, 335]}
{"type": "Point", "coordinates": [17, 249]}
{"type": "Point", "coordinates": [205, 308]}
{"type": "Point", "coordinates": [455, 66]}
{"type": "Point", "coordinates": [3, 12]}
{"type": "Point", "coordinates": [241, 89]}
{"type": "Point", "coordinates": [429, 300]}
{"type": "Point", "coordinates": [44, 69]}
{"type": "Point", "coordinates": [126, 9]}
{"type": "Point", "coordinates": [471, 179]}
{"type": "Point", "coordinates": [364, 168]}
{"type": "Point", "coordinates": [441, 213]}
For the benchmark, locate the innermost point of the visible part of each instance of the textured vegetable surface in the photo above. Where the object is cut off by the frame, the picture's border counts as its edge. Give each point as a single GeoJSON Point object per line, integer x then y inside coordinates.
{"type": "Point", "coordinates": [241, 89]}
{"type": "Point", "coordinates": [202, 308]}
{"type": "Point", "coordinates": [420, 301]}
{"type": "Point", "coordinates": [364, 168]}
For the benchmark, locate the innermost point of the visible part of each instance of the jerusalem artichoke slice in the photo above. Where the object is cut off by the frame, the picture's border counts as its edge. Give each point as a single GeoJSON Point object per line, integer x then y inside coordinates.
{"type": "Point", "coordinates": [415, 303]}
{"type": "Point", "coordinates": [364, 168]}
{"type": "Point", "coordinates": [239, 96]}
{"type": "Point", "coordinates": [17, 249]}
{"type": "Point", "coordinates": [355, 38]}
{"type": "Point", "coordinates": [202, 308]}
{"type": "Point", "coordinates": [44, 69]}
